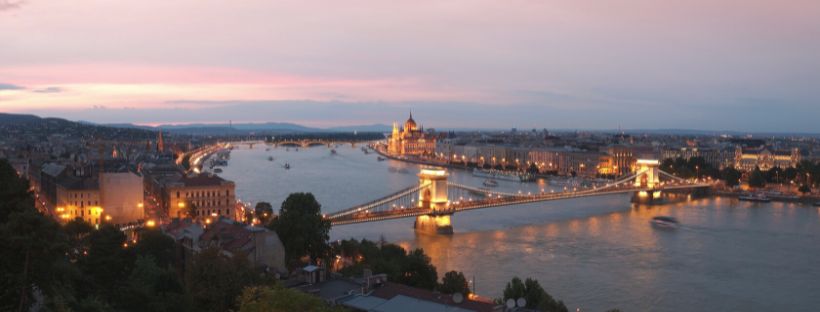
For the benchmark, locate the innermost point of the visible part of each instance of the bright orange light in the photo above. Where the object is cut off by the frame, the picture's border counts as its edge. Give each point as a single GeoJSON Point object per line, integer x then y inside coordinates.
{"type": "Point", "coordinates": [442, 220]}
{"type": "Point", "coordinates": [150, 223]}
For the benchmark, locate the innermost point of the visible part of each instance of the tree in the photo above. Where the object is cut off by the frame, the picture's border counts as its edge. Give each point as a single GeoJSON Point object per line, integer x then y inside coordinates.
{"type": "Point", "coordinates": [756, 178]}
{"type": "Point", "coordinates": [263, 211]}
{"type": "Point", "coordinates": [160, 247]}
{"type": "Point", "coordinates": [805, 189]}
{"type": "Point", "coordinates": [412, 269]}
{"type": "Point", "coordinates": [533, 168]}
{"type": "Point", "coordinates": [454, 282]}
{"type": "Point", "coordinates": [417, 271]}
{"type": "Point", "coordinates": [215, 281]}
{"type": "Point", "coordinates": [280, 299]}
{"type": "Point", "coordinates": [301, 227]}
{"type": "Point", "coordinates": [731, 176]}
{"type": "Point", "coordinates": [808, 172]}
{"type": "Point", "coordinates": [14, 194]}
{"type": "Point", "coordinates": [774, 175]}
{"type": "Point", "coordinates": [33, 245]}
{"type": "Point", "coordinates": [152, 288]}
{"type": "Point", "coordinates": [77, 231]}
{"type": "Point", "coordinates": [790, 173]}
{"type": "Point", "coordinates": [534, 294]}
{"type": "Point", "coordinates": [189, 210]}
{"type": "Point", "coordinates": [108, 261]}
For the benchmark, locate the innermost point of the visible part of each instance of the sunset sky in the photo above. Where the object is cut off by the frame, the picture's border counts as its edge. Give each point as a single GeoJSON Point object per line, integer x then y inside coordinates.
{"type": "Point", "coordinates": [599, 64]}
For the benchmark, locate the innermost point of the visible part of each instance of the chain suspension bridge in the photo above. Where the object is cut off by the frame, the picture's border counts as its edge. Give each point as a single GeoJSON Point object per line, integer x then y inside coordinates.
{"type": "Point", "coordinates": [434, 200]}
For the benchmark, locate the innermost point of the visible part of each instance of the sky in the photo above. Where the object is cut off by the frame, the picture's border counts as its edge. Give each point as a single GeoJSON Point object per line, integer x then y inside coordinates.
{"type": "Point", "coordinates": [745, 65]}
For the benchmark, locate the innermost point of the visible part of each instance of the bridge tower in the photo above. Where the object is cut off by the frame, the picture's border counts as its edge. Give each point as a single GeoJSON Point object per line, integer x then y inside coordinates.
{"type": "Point", "coordinates": [433, 197]}
{"type": "Point", "coordinates": [648, 178]}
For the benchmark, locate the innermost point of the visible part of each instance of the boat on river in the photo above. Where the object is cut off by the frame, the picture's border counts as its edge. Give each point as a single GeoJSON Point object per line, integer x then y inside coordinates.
{"type": "Point", "coordinates": [503, 175]}
{"type": "Point", "coordinates": [333, 151]}
{"type": "Point", "coordinates": [757, 197]}
{"type": "Point", "coordinates": [286, 166]}
{"type": "Point", "coordinates": [218, 170]}
{"type": "Point", "coordinates": [664, 222]}
{"type": "Point", "coordinates": [380, 158]}
{"type": "Point", "coordinates": [490, 183]}
{"type": "Point", "coordinates": [270, 158]}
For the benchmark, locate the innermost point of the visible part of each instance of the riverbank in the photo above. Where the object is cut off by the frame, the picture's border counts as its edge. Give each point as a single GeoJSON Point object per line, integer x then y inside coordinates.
{"type": "Point", "coordinates": [807, 199]}
{"type": "Point", "coordinates": [426, 162]}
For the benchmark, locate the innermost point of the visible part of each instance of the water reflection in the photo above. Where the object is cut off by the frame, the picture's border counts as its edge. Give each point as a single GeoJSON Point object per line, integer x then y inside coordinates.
{"type": "Point", "coordinates": [594, 253]}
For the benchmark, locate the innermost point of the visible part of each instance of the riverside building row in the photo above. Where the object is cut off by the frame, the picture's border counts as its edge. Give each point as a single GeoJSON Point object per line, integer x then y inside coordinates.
{"type": "Point", "coordinates": [614, 159]}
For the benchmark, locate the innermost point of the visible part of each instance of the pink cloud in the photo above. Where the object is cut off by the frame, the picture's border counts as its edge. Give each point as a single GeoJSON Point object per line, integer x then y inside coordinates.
{"type": "Point", "coordinates": [130, 85]}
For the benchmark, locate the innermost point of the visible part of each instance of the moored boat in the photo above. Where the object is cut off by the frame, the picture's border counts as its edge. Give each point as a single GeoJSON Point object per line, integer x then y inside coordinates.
{"type": "Point", "coordinates": [759, 197]}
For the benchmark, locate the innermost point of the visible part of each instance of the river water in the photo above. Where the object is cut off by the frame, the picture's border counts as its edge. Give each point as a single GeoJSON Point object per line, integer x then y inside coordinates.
{"type": "Point", "coordinates": [594, 253]}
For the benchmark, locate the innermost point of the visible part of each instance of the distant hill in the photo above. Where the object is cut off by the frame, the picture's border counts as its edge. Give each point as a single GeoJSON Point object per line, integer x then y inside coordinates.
{"type": "Point", "coordinates": [363, 128]}
{"type": "Point", "coordinates": [43, 127]}
{"type": "Point", "coordinates": [258, 128]}
{"type": "Point", "coordinates": [278, 128]}
{"type": "Point", "coordinates": [17, 118]}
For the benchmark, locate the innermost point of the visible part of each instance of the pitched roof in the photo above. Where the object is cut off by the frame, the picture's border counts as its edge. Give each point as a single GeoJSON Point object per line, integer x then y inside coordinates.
{"type": "Point", "coordinates": [390, 290]}
{"type": "Point", "coordinates": [202, 180]}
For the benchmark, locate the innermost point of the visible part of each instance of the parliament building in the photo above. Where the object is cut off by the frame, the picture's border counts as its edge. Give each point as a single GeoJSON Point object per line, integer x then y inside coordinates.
{"type": "Point", "coordinates": [410, 140]}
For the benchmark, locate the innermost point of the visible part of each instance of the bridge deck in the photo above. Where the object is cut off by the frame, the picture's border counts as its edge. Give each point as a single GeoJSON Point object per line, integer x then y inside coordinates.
{"type": "Point", "coordinates": [351, 218]}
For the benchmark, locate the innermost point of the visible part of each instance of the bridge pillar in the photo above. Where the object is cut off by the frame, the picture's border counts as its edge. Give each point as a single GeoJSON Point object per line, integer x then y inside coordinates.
{"type": "Point", "coordinates": [648, 197]}
{"type": "Point", "coordinates": [434, 198]}
{"type": "Point", "coordinates": [649, 174]}
{"type": "Point", "coordinates": [648, 178]}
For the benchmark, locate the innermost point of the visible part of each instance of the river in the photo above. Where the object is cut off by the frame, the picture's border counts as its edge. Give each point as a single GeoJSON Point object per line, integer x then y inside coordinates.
{"type": "Point", "coordinates": [593, 253]}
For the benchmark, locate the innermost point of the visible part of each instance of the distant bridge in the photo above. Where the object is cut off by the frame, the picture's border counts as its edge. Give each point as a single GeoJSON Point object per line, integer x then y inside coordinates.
{"type": "Point", "coordinates": [297, 142]}
{"type": "Point", "coordinates": [434, 200]}
{"type": "Point", "coordinates": [312, 142]}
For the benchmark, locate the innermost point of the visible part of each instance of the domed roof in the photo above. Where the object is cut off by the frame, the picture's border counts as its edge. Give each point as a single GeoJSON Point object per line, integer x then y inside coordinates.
{"type": "Point", "coordinates": [410, 124]}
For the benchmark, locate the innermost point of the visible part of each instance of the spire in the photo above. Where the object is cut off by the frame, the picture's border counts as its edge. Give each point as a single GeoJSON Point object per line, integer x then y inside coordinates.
{"type": "Point", "coordinates": [411, 114]}
{"type": "Point", "coordinates": [160, 142]}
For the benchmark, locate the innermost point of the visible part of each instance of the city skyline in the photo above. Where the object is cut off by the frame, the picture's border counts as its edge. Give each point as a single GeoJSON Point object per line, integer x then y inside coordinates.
{"type": "Point", "coordinates": [562, 64]}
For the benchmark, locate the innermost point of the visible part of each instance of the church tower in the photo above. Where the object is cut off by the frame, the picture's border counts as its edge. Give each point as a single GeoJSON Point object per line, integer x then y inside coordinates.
{"type": "Point", "coordinates": [393, 142]}
{"type": "Point", "coordinates": [160, 143]}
